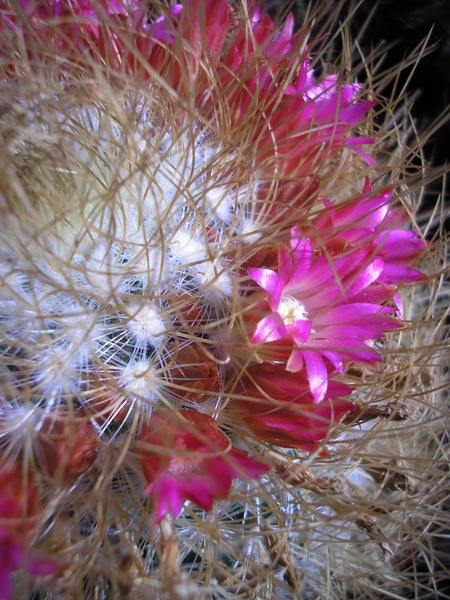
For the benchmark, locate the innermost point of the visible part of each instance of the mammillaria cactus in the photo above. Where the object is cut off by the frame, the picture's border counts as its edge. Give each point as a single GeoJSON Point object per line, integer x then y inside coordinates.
{"type": "Point", "coordinates": [212, 354]}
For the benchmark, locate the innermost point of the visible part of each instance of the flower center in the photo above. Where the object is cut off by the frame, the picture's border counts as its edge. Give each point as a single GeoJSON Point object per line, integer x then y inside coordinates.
{"type": "Point", "coordinates": [185, 460]}
{"type": "Point", "coordinates": [291, 310]}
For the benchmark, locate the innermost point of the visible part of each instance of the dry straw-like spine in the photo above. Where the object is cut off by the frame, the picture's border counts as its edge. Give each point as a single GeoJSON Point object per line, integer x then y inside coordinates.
{"type": "Point", "coordinates": [130, 212]}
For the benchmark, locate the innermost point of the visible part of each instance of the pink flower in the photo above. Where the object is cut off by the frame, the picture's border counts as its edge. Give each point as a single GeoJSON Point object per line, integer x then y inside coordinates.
{"type": "Point", "coordinates": [19, 506]}
{"type": "Point", "coordinates": [78, 31]}
{"type": "Point", "coordinates": [369, 218]}
{"type": "Point", "coordinates": [323, 309]}
{"type": "Point", "coordinates": [185, 456]}
{"type": "Point", "coordinates": [280, 409]}
{"type": "Point", "coordinates": [15, 555]}
{"type": "Point", "coordinates": [300, 125]}
{"type": "Point", "coordinates": [297, 126]}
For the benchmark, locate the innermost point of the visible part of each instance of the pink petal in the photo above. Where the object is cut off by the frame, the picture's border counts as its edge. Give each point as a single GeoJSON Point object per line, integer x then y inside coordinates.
{"type": "Point", "coordinates": [351, 313]}
{"type": "Point", "coordinates": [317, 374]}
{"type": "Point", "coordinates": [393, 273]}
{"type": "Point", "coordinates": [375, 294]}
{"type": "Point", "coordinates": [399, 303]}
{"type": "Point", "coordinates": [367, 276]}
{"type": "Point", "coordinates": [355, 113]}
{"type": "Point", "coordinates": [248, 466]}
{"type": "Point", "coordinates": [302, 330]}
{"type": "Point", "coordinates": [296, 361]}
{"type": "Point", "coordinates": [168, 496]}
{"type": "Point", "coordinates": [270, 282]}
{"type": "Point", "coordinates": [284, 264]}
{"type": "Point", "coordinates": [400, 245]}
{"type": "Point", "coordinates": [349, 349]}
{"type": "Point", "coordinates": [336, 360]}
{"type": "Point", "coordinates": [269, 329]}
{"type": "Point", "coordinates": [303, 255]}
{"type": "Point", "coordinates": [205, 488]}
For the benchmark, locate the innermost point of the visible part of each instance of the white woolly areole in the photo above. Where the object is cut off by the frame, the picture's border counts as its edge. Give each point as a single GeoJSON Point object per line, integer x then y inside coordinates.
{"type": "Point", "coordinates": [142, 217]}
{"type": "Point", "coordinates": [215, 282]}
{"type": "Point", "coordinates": [250, 231]}
{"type": "Point", "coordinates": [146, 323]}
{"type": "Point", "coordinates": [221, 203]}
{"type": "Point", "coordinates": [188, 246]}
{"type": "Point", "coordinates": [138, 380]}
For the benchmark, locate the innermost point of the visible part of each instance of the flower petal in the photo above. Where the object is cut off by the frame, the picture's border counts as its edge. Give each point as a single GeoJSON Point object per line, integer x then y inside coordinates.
{"type": "Point", "coordinates": [269, 329]}
{"type": "Point", "coordinates": [270, 282]}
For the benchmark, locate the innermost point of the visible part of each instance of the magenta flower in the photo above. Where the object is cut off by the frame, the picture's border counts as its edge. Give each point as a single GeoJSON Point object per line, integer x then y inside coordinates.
{"type": "Point", "coordinates": [326, 309]}
{"type": "Point", "coordinates": [308, 121]}
{"type": "Point", "coordinates": [15, 555]}
{"type": "Point", "coordinates": [154, 159]}
{"type": "Point", "coordinates": [185, 456]}
{"type": "Point", "coordinates": [67, 29]}
{"type": "Point", "coordinates": [19, 505]}
{"type": "Point", "coordinates": [371, 218]}
{"type": "Point", "coordinates": [296, 127]}
{"type": "Point", "coordinates": [280, 409]}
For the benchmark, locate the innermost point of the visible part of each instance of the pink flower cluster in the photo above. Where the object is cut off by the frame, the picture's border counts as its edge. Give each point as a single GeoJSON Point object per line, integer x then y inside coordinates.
{"type": "Point", "coordinates": [319, 302]}
{"type": "Point", "coordinates": [329, 296]}
{"type": "Point", "coordinates": [19, 506]}
{"type": "Point", "coordinates": [309, 121]}
{"type": "Point", "coordinates": [322, 302]}
{"type": "Point", "coordinates": [282, 410]}
{"type": "Point", "coordinates": [184, 455]}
